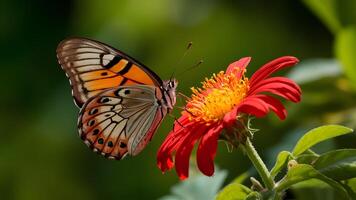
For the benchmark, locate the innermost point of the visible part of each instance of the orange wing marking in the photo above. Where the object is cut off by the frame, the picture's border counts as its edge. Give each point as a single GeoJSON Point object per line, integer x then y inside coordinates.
{"type": "Point", "coordinates": [138, 75]}
{"type": "Point", "coordinates": [120, 66]}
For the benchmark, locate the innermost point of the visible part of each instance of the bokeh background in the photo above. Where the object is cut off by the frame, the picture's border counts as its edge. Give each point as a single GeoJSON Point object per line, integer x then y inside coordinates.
{"type": "Point", "coordinates": [41, 156]}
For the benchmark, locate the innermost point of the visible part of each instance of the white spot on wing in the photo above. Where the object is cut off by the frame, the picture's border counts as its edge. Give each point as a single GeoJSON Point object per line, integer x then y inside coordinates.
{"type": "Point", "coordinates": [107, 58]}
{"type": "Point", "coordinates": [87, 143]}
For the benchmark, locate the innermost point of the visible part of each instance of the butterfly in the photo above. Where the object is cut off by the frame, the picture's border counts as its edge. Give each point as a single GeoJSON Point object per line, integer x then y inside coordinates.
{"type": "Point", "coordinates": [121, 101]}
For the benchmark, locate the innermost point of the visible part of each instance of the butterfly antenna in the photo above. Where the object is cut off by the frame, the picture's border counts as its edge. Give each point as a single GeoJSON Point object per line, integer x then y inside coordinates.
{"type": "Point", "coordinates": [191, 68]}
{"type": "Point", "coordinates": [189, 46]}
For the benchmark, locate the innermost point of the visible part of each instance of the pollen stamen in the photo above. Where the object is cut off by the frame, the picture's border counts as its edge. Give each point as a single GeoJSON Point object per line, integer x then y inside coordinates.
{"type": "Point", "coordinates": [218, 96]}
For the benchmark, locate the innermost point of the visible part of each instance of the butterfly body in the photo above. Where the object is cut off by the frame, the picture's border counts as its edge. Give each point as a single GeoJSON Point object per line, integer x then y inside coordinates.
{"type": "Point", "coordinates": [122, 102]}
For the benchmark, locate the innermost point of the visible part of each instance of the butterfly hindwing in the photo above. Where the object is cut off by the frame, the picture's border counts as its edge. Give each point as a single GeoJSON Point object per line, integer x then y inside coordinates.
{"type": "Point", "coordinates": [120, 121]}
{"type": "Point", "coordinates": [93, 67]}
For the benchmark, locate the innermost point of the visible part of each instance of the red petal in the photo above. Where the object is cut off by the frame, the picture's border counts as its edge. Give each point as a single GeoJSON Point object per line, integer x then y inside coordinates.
{"type": "Point", "coordinates": [275, 105]}
{"type": "Point", "coordinates": [254, 106]}
{"type": "Point", "coordinates": [281, 89]}
{"type": "Point", "coordinates": [241, 64]}
{"type": "Point", "coordinates": [185, 149]}
{"type": "Point", "coordinates": [179, 129]}
{"type": "Point", "coordinates": [271, 67]}
{"type": "Point", "coordinates": [281, 80]}
{"type": "Point", "coordinates": [207, 150]}
{"type": "Point", "coordinates": [172, 142]}
{"type": "Point", "coordinates": [230, 118]}
{"type": "Point", "coordinates": [164, 156]}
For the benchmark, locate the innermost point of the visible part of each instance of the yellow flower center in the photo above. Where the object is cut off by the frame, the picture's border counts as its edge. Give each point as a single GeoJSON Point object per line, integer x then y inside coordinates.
{"type": "Point", "coordinates": [218, 96]}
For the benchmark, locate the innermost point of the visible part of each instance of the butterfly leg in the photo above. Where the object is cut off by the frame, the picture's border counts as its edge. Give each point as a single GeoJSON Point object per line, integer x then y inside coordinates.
{"type": "Point", "coordinates": [183, 95]}
{"type": "Point", "coordinates": [176, 120]}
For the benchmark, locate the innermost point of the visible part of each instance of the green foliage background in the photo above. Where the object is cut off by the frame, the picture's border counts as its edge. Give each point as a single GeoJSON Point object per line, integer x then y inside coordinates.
{"type": "Point", "coordinates": [41, 156]}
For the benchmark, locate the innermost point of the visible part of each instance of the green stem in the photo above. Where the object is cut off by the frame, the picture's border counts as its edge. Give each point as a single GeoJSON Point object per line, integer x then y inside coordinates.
{"type": "Point", "coordinates": [259, 164]}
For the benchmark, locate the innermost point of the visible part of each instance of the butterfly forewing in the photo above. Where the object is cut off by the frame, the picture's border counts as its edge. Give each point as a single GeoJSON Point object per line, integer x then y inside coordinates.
{"type": "Point", "coordinates": [122, 102]}
{"type": "Point", "coordinates": [93, 67]}
{"type": "Point", "coordinates": [120, 120]}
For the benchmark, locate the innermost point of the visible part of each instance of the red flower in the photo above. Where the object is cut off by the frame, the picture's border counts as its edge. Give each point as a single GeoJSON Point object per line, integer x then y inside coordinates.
{"type": "Point", "coordinates": [218, 105]}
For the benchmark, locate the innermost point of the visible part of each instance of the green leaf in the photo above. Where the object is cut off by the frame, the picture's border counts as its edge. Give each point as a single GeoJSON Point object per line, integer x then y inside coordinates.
{"type": "Point", "coordinates": [234, 191]}
{"type": "Point", "coordinates": [313, 189]}
{"type": "Point", "coordinates": [338, 165]}
{"type": "Point", "coordinates": [281, 162]}
{"type": "Point", "coordinates": [352, 184]}
{"type": "Point", "coordinates": [350, 190]}
{"type": "Point", "coordinates": [345, 48]}
{"type": "Point", "coordinates": [254, 196]}
{"type": "Point", "coordinates": [317, 135]}
{"type": "Point", "coordinates": [326, 11]}
{"type": "Point", "coordinates": [303, 172]}
{"type": "Point", "coordinates": [306, 158]}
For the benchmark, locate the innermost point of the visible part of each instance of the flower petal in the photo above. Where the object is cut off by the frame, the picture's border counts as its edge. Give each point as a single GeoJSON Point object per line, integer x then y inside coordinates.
{"type": "Point", "coordinates": [281, 80]}
{"type": "Point", "coordinates": [230, 118]}
{"type": "Point", "coordinates": [207, 150]}
{"type": "Point", "coordinates": [172, 142]}
{"type": "Point", "coordinates": [254, 106]}
{"type": "Point", "coordinates": [275, 105]}
{"type": "Point", "coordinates": [164, 156]}
{"type": "Point", "coordinates": [280, 89]}
{"type": "Point", "coordinates": [178, 131]}
{"type": "Point", "coordinates": [185, 149]}
{"type": "Point", "coordinates": [240, 64]}
{"type": "Point", "coordinates": [271, 67]}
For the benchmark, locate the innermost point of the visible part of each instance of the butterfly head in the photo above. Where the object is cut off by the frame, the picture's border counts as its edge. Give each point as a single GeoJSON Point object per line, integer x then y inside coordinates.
{"type": "Point", "coordinates": [169, 90]}
{"type": "Point", "coordinates": [170, 84]}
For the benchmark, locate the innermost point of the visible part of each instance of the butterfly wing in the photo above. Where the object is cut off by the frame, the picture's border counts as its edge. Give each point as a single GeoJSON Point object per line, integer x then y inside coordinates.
{"type": "Point", "coordinates": [121, 121]}
{"type": "Point", "coordinates": [93, 67]}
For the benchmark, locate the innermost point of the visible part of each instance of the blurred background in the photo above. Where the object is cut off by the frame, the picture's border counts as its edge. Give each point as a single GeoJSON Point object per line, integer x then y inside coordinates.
{"type": "Point", "coordinates": [41, 156]}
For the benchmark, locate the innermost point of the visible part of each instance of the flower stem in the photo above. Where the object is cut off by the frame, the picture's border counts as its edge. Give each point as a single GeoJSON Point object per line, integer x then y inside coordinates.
{"type": "Point", "coordinates": [259, 164]}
